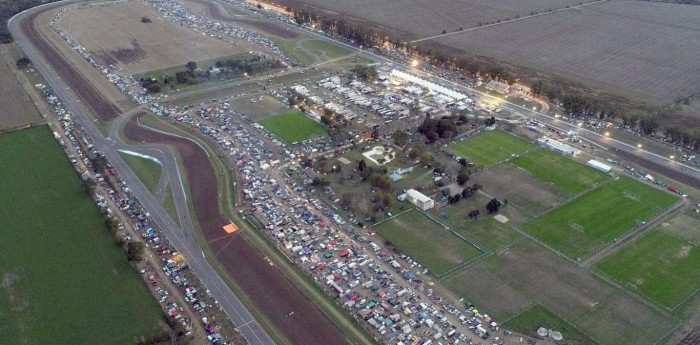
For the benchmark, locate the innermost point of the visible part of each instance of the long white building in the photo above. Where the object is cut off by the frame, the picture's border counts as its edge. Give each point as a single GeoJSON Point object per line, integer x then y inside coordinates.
{"type": "Point", "coordinates": [432, 87]}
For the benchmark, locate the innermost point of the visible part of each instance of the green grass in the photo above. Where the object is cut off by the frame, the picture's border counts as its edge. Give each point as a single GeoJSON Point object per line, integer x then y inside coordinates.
{"type": "Point", "coordinates": [490, 147]}
{"type": "Point", "coordinates": [289, 47]}
{"type": "Point", "coordinates": [332, 51]}
{"type": "Point", "coordinates": [661, 266]}
{"type": "Point", "coordinates": [293, 127]}
{"type": "Point", "coordinates": [604, 214]}
{"type": "Point", "coordinates": [169, 205]}
{"type": "Point", "coordinates": [148, 172]}
{"type": "Point", "coordinates": [561, 171]}
{"type": "Point", "coordinates": [428, 242]}
{"type": "Point", "coordinates": [537, 316]}
{"type": "Point", "coordinates": [203, 65]}
{"type": "Point", "coordinates": [70, 283]}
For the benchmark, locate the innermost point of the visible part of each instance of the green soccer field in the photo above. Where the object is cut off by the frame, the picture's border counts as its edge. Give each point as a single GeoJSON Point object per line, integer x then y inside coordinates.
{"type": "Point", "coordinates": [660, 266]}
{"type": "Point", "coordinates": [64, 279]}
{"type": "Point", "coordinates": [428, 242]}
{"type": "Point", "coordinates": [600, 216]}
{"type": "Point", "coordinates": [490, 147]}
{"type": "Point", "coordinates": [561, 171]}
{"type": "Point", "coordinates": [293, 127]}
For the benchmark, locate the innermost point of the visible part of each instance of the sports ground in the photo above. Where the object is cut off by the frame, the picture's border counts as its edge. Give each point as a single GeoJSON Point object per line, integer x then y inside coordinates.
{"type": "Point", "coordinates": [599, 217]}
{"type": "Point", "coordinates": [563, 172]}
{"type": "Point", "coordinates": [64, 281]}
{"type": "Point", "coordinates": [293, 127]}
{"type": "Point", "coordinates": [490, 148]}
{"type": "Point", "coordinates": [430, 243]}
{"type": "Point", "coordinates": [659, 266]}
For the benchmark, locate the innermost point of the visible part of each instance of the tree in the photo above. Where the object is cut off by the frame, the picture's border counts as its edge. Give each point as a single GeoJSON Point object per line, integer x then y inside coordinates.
{"type": "Point", "coordinates": [134, 251]}
{"type": "Point", "coordinates": [145, 20]}
{"type": "Point", "coordinates": [362, 165]}
{"type": "Point", "coordinates": [375, 134]}
{"type": "Point", "coordinates": [320, 181]}
{"type": "Point", "coordinates": [432, 137]}
{"type": "Point", "coordinates": [154, 88]}
{"type": "Point", "coordinates": [380, 181]}
{"type": "Point", "coordinates": [473, 214]}
{"type": "Point", "coordinates": [100, 162]}
{"type": "Point", "coordinates": [87, 185]}
{"type": "Point", "coordinates": [191, 66]}
{"type": "Point", "coordinates": [467, 192]}
{"type": "Point", "coordinates": [23, 62]}
{"type": "Point", "coordinates": [493, 206]}
{"type": "Point", "coordinates": [462, 178]}
{"type": "Point", "coordinates": [400, 137]}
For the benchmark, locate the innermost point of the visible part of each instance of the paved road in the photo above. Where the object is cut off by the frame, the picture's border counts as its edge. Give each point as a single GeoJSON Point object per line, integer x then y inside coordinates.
{"type": "Point", "coordinates": [182, 239]}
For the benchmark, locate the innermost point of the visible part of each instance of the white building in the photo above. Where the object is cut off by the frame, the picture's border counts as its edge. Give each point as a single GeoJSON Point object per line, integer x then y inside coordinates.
{"type": "Point", "coordinates": [558, 146]}
{"type": "Point", "coordinates": [417, 198]}
{"type": "Point", "coordinates": [599, 166]}
{"type": "Point", "coordinates": [432, 87]}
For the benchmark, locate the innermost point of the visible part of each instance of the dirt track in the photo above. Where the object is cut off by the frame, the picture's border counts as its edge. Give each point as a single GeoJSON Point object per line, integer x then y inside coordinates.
{"type": "Point", "coordinates": [100, 106]}
{"type": "Point", "coordinates": [271, 292]}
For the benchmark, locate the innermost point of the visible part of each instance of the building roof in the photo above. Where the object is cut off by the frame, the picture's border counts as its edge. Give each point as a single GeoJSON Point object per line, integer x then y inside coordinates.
{"type": "Point", "coordinates": [435, 88]}
{"type": "Point", "coordinates": [558, 145]}
{"type": "Point", "coordinates": [599, 165]}
{"type": "Point", "coordinates": [497, 86]}
{"type": "Point", "coordinates": [417, 195]}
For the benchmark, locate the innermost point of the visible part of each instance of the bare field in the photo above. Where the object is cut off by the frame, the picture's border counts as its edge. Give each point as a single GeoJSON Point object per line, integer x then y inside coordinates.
{"type": "Point", "coordinates": [526, 192]}
{"type": "Point", "coordinates": [115, 34]}
{"type": "Point", "coordinates": [639, 49]}
{"type": "Point", "coordinates": [505, 285]}
{"type": "Point", "coordinates": [17, 108]}
{"type": "Point", "coordinates": [422, 18]}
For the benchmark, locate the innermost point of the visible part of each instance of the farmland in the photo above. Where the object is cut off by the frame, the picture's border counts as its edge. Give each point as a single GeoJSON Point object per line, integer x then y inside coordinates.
{"type": "Point", "coordinates": [417, 19]}
{"type": "Point", "coordinates": [507, 284]}
{"type": "Point", "coordinates": [428, 242]}
{"type": "Point", "coordinates": [93, 296]}
{"type": "Point", "coordinates": [292, 127]}
{"type": "Point", "coordinates": [598, 217]}
{"type": "Point", "coordinates": [17, 108]}
{"type": "Point", "coordinates": [606, 45]}
{"type": "Point", "coordinates": [659, 266]}
{"type": "Point", "coordinates": [489, 148]}
{"type": "Point", "coordinates": [619, 46]}
{"type": "Point", "coordinates": [563, 172]}
{"type": "Point", "coordinates": [140, 47]}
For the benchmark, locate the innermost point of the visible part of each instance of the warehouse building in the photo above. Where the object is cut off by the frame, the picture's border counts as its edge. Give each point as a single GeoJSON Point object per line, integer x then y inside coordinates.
{"type": "Point", "coordinates": [417, 198]}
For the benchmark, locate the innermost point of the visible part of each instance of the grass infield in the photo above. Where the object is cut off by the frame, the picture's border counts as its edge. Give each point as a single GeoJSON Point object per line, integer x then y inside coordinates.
{"type": "Point", "coordinates": [293, 127]}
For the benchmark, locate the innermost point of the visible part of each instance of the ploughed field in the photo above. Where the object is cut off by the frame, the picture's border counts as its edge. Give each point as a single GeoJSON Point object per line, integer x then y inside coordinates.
{"type": "Point", "coordinates": [64, 281]}
{"type": "Point", "coordinates": [639, 49]}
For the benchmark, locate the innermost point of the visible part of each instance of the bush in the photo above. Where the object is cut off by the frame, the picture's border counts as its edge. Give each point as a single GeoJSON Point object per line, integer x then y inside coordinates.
{"type": "Point", "coordinates": [23, 62]}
